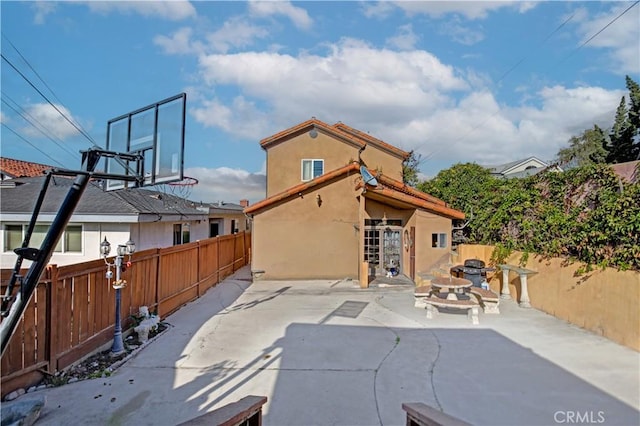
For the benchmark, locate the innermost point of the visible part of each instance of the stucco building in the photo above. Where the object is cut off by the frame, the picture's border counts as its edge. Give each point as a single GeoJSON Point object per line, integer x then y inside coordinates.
{"type": "Point", "coordinates": [325, 217]}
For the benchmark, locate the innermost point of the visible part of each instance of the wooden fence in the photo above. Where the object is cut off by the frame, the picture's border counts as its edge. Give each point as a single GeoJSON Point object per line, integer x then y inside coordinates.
{"type": "Point", "coordinates": [72, 311]}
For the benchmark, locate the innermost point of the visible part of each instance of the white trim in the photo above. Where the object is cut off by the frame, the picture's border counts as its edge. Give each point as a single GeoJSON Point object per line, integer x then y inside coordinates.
{"type": "Point", "coordinates": [312, 161]}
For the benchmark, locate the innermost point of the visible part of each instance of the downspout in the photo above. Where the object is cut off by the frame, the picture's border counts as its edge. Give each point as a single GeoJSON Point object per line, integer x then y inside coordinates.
{"type": "Point", "coordinates": [363, 267]}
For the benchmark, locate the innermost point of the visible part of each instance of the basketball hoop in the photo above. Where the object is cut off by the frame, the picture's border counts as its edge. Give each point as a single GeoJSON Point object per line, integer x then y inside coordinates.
{"type": "Point", "coordinates": [183, 188]}
{"type": "Point", "coordinates": [186, 181]}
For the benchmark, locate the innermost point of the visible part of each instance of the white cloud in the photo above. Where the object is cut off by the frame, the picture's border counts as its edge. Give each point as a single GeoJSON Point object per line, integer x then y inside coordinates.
{"type": "Point", "coordinates": [297, 15]}
{"type": "Point", "coordinates": [226, 184]}
{"type": "Point", "coordinates": [179, 43]}
{"type": "Point", "coordinates": [50, 120]}
{"type": "Point", "coordinates": [352, 80]}
{"type": "Point", "coordinates": [621, 37]}
{"type": "Point", "coordinates": [468, 9]}
{"type": "Point", "coordinates": [42, 9]}
{"type": "Point", "coordinates": [406, 39]}
{"type": "Point", "coordinates": [4, 118]}
{"type": "Point", "coordinates": [175, 10]}
{"type": "Point", "coordinates": [236, 32]}
{"type": "Point", "coordinates": [379, 9]}
{"type": "Point", "coordinates": [461, 33]}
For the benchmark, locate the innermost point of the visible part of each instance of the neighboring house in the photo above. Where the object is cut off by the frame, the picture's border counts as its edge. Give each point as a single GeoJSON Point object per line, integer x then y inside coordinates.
{"type": "Point", "coordinates": [150, 218]}
{"type": "Point", "coordinates": [521, 168]}
{"type": "Point", "coordinates": [11, 168]}
{"type": "Point", "coordinates": [628, 172]}
{"type": "Point", "coordinates": [226, 218]}
{"type": "Point", "coordinates": [323, 219]}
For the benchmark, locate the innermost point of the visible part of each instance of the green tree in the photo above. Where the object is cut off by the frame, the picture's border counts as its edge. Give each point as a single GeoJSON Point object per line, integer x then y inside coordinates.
{"type": "Point", "coordinates": [410, 168]}
{"type": "Point", "coordinates": [462, 186]}
{"type": "Point", "coordinates": [584, 149]}
{"type": "Point", "coordinates": [624, 139]}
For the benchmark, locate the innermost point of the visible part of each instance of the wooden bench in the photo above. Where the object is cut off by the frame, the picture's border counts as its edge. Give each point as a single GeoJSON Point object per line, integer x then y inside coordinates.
{"type": "Point", "coordinates": [434, 302]}
{"type": "Point", "coordinates": [488, 299]}
{"type": "Point", "coordinates": [525, 302]}
{"type": "Point", "coordinates": [420, 293]}
{"type": "Point", "coordinates": [247, 411]}
{"type": "Point", "coordinates": [419, 414]}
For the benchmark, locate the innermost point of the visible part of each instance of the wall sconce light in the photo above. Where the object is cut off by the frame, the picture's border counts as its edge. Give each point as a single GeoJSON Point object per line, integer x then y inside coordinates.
{"type": "Point", "coordinates": [319, 200]}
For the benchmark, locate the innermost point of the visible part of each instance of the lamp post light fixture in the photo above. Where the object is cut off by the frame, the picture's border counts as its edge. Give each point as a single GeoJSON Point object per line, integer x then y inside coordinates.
{"type": "Point", "coordinates": [122, 250]}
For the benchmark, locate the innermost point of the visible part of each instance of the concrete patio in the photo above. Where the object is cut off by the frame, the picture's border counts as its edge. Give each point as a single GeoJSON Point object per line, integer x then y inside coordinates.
{"type": "Point", "coordinates": [330, 353]}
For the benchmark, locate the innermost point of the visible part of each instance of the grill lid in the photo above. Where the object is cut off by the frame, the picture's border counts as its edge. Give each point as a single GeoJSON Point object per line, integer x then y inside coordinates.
{"type": "Point", "coordinates": [474, 263]}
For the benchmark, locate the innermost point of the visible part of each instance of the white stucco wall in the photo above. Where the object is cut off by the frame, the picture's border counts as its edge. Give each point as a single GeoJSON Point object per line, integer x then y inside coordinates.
{"type": "Point", "coordinates": [145, 235]}
{"type": "Point", "coordinates": [92, 235]}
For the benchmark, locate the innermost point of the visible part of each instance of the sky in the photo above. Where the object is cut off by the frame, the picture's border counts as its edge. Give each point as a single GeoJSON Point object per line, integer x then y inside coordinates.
{"type": "Point", "coordinates": [479, 81]}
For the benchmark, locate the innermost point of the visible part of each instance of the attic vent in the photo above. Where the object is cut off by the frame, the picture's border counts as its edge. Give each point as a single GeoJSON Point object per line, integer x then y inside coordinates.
{"type": "Point", "coordinates": [8, 184]}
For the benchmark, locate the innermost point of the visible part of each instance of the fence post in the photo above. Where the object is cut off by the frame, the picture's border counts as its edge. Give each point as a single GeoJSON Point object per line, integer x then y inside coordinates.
{"type": "Point", "coordinates": [198, 266]}
{"type": "Point", "coordinates": [51, 333]}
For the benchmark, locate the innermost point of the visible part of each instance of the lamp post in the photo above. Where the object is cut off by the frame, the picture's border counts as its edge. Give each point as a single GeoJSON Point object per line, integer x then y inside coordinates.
{"type": "Point", "coordinates": [123, 250]}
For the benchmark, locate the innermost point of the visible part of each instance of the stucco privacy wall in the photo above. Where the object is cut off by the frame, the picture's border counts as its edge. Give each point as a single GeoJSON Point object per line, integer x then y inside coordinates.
{"type": "Point", "coordinates": [284, 168]}
{"type": "Point", "coordinates": [299, 239]}
{"type": "Point", "coordinates": [428, 224]}
{"type": "Point", "coordinates": [606, 302]}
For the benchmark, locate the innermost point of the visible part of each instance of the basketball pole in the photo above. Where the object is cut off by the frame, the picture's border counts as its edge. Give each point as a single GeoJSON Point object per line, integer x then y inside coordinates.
{"type": "Point", "coordinates": [42, 256]}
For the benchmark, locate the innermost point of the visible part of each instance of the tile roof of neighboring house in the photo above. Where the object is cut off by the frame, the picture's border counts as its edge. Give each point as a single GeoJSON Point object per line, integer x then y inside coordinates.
{"type": "Point", "coordinates": [629, 171]}
{"type": "Point", "coordinates": [354, 137]}
{"type": "Point", "coordinates": [224, 208]}
{"type": "Point", "coordinates": [17, 168]}
{"type": "Point", "coordinates": [94, 201]}
{"type": "Point", "coordinates": [505, 170]}
{"type": "Point", "coordinates": [394, 189]}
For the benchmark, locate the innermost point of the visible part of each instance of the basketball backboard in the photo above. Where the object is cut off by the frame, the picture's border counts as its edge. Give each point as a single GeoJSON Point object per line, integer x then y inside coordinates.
{"type": "Point", "coordinates": [156, 132]}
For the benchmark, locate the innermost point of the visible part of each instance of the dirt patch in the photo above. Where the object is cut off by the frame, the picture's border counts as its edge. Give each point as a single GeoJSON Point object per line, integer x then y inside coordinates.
{"type": "Point", "coordinates": [101, 364]}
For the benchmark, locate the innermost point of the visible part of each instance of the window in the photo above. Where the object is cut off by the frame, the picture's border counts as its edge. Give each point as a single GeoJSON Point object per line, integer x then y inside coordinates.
{"type": "Point", "coordinates": [439, 240]}
{"type": "Point", "coordinates": [312, 169]}
{"type": "Point", "coordinates": [70, 241]}
{"type": "Point", "coordinates": [181, 233]}
{"type": "Point", "coordinates": [214, 229]}
{"type": "Point", "coordinates": [233, 226]}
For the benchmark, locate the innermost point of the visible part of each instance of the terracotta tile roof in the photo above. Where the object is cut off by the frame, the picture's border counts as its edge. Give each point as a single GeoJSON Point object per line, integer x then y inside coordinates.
{"type": "Point", "coordinates": [306, 126]}
{"type": "Point", "coordinates": [374, 141]}
{"type": "Point", "coordinates": [389, 188]}
{"type": "Point", "coordinates": [402, 187]}
{"type": "Point", "coordinates": [415, 201]}
{"type": "Point", "coordinates": [18, 168]}
{"type": "Point", "coordinates": [339, 130]}
{"type": "Point", "coordinates": [302, 187]}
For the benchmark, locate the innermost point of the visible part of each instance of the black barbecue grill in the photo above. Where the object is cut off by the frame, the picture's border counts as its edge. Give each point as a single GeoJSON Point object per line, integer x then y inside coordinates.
{"type": "Point", "coordinates": [473, 270]}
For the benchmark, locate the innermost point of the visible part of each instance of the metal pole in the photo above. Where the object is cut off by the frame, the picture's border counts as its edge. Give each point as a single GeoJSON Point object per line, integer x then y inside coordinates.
{"type": "Point", "coordinates": [90, 160]}
{"type": "Point", "coordinates": [118, 345]}
{"type": "Point", "coordinates": [32, 277]}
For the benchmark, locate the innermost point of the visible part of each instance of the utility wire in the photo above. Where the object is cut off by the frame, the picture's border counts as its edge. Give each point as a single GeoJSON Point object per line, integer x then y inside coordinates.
{"type": "Point", "coordinates": [39, 127]}
{"type": "Point", "coordinates": [78, 127]}
{"type": "Point", "coordinates": [598, 33]}
{"type": "Point", "coordinates": [82, 132]}
{"type": "Point", "coordinates": [35, 147]}
{"type": "Point", "coordinates": [474, 128]}
{"type": "Point", "coordinates": [32, 68]}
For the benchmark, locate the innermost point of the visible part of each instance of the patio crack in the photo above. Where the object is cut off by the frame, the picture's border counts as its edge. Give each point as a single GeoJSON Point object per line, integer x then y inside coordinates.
{"type": "Point", "coordinates": [375, 374]}
{"type": "Point", "coordinates": [432, 369]}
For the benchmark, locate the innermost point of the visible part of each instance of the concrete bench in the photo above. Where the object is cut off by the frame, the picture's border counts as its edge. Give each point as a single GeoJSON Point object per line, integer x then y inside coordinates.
{"type": "Point", "coordinates": [488, 299]}
{"type": "Point", "coordinates": [523, 273]}
{"type": "Point", "coordinates": [434, 302]}
{"type": "Point", "coordinates": [419, 294]}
